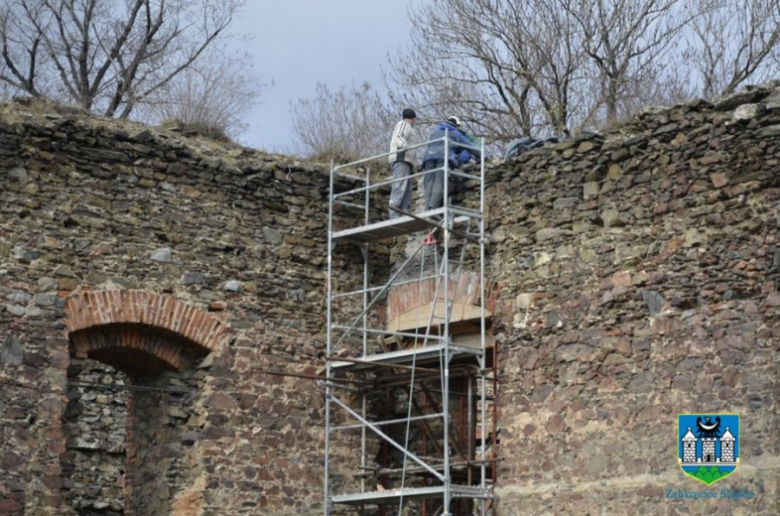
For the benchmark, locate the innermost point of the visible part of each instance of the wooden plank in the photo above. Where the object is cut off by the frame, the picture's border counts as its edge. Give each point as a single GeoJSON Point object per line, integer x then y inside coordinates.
{"type": "Point", "coordinates": [417, 318]}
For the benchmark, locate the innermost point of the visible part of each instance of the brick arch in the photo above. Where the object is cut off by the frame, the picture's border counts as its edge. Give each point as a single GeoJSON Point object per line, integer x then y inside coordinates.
{"type": "Point", "coordinates": [463, 290]}
{"type": "Point", "coordinates": [139, 321]}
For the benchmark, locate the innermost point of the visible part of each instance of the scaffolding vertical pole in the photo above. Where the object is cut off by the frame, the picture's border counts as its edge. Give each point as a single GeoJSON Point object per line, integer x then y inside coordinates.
{"type": "Point", "coordinates": [482, 329]}
{"type": "Point", "coordinates": [328, 337]}
{"type": "Point", "coordinates": [364, 249]}
{"type": "Point", "coordinates": [494, 410]}
{"type": "Point", "coordinates": [425, 450]}
{"type": "Point", "coordinates": [471, 427]}
{"type": "Point", "coordinates": [363, 445]}
{"type": "Point", "coordinates": [445, 333]}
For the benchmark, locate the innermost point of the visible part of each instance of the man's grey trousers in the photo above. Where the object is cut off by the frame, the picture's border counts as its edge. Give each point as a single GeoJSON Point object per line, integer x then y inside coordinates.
{"type": "Point", "coordinates": [401, 191]}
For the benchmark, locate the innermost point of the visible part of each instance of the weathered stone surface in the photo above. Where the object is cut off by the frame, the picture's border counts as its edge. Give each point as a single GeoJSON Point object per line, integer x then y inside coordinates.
{"type": "Point", "coordinates": [548, 234]}
{"type": "Point", "coordinates": [615, 172]}
{"type": "Point", "coordinates": [772, 101]}
{"type": "Point", "coordinates": [17, 174]}
{"type": "Point", "coordinates": [591, 189]}
{"type": "Point", "coordinates": [719, 179]}
{"type": "Point", "coordinates": [21, 298]}
{"type": "Point", "coordinates": [163, 255]}
{"type": "Point", "coordinates": [84, 207]}
{"type": "Point", "coordinates": [272, 235]}
{"type": "Point", "coordinates": [770, 131]}
{"type": "Point", "coordinates": [232, 286]}
{"type": "Point", "coordinates": [17, 310]}
{"type": "Point", "coordinates": [654, 301]}
{"type": "Point", "coordinates": [637, 279]}
{"type": "Point", "coordinates": [746, 112]}
{"type": "Point", "coordinates": [11, 351]}
{"type": "Point", "coordinates": [193, 278]}
{"type": "Point", "coordinates": [673, 311]}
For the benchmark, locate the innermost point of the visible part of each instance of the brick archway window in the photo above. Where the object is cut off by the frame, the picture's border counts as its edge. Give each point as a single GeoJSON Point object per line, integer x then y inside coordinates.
{"type": "Point", "coordinates": [152, 344]}
{"type": "Point", "coordinates": [119, 326]}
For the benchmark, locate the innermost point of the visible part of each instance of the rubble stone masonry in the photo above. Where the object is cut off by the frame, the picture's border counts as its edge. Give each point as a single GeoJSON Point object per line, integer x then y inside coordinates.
{"type": "Point", "coordinates": [195, 268]}
{"type": "Point", "coordinates": [150, 282]}
{"type": "Point", "coordinates": [638, 271]}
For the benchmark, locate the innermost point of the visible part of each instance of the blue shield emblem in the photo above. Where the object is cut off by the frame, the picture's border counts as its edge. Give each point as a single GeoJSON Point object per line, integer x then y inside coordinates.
{"type": "Point", "coordinates": [708, 445]}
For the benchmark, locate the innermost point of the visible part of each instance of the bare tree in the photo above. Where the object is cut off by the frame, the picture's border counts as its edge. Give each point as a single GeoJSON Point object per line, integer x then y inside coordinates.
{"type": "Point", "coordinates": [625, 39]}
{"type": "Point", "coordinates": [212, 95]}
{"type": "Point", "coordinates": [536, 66]}
{"type": "Point", "coordinates": [346, 124]}
{"type": "Point", "coordinates": [731, 41]}
{"type": "Point", "coordinates": [507, 66]}
{"type": "Point", "coordinates": [107, 56]}
{"type": "Point", "coordinates": [556, 66]}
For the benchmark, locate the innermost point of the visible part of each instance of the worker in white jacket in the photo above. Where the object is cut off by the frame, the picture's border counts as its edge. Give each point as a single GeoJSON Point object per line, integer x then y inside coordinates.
{"type": "Point", "coordinates": [400, 163]}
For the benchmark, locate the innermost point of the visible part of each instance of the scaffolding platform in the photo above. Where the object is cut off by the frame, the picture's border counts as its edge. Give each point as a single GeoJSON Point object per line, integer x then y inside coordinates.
{"type": "Point", "coordinates": [402, 225]}
{"type": "Point", "coordinates": [421, 356]}
{"type": "Point", "coordinates": [410, 494]}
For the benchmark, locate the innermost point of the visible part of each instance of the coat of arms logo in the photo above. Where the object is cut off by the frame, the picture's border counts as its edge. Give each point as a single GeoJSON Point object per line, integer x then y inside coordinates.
{"type": "Point", "coordinates": [708, 445]}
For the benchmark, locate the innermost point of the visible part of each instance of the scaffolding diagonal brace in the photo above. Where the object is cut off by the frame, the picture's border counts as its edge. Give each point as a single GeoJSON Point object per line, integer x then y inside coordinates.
{"type": "Point", "coordinates": [387, 438]}
{"type": "Point", "coordinates": [373, 301]}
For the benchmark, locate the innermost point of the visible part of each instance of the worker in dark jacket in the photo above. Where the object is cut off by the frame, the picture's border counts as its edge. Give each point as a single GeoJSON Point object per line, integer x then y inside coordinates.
{"type": "Point", "coordinates": [434, 158]}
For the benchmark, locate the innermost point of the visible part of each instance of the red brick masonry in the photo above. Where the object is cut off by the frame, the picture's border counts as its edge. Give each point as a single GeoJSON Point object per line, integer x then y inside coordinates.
{"type": "Point", "coordinates": [407, 297]}
{"type": "Point", "coordinates": [138, 307]}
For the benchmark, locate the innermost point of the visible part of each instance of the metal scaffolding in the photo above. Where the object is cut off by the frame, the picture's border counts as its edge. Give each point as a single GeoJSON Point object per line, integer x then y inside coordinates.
{"type": "Point", "coordinates": [434, 456]}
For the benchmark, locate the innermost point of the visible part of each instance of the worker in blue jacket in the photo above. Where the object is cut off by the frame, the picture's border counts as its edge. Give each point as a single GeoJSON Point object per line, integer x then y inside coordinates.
{"type": "Point", "coordinates": [434, 158]}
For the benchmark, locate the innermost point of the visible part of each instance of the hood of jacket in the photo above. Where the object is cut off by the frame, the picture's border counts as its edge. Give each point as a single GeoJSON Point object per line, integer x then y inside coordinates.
{"type": "Point", "coordinates": [448, 126]}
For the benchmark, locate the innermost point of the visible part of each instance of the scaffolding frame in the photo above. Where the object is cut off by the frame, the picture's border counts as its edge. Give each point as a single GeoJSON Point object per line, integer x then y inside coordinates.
{"type": "Point", "coordinates": [418, 364]}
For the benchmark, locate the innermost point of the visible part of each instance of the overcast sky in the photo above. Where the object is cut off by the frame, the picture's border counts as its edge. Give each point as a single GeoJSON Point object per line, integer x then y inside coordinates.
{"type": "Point", "coordinates": [297, 43]}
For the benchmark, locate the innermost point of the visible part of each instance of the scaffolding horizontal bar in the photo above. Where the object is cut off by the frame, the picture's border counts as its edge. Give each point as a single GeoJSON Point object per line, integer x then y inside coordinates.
{"type": "Point", "coordinates": [465, 212]}
{"type": "Point", "coordinates": [402, 225]}
{"type": "Point", "coordinates": [387, 182]}
{"type": "Point", "coordinates": [393, 285]}
{"type": "Point", "coordinates": [411, 494]}
{"type": "Point", "coordinates": [388, 333]}
{"type": "Point", "coordinates": [455, 466]}
{"type": "Point", "coordinates": [384, 155]}
{"type": "Point", "coordinates": [421, 356]}
{"type": "Point", "coordinates": [391, 421]}
{"type": "Point", "coordinates": [465, 175]}
{"type": "Point", "coordinates": [350, 204]}
{"type": "Point", "coordinates": [387, 365]}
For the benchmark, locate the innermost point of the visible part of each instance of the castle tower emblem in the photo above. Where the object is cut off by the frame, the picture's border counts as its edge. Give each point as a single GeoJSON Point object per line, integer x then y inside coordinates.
{"type": "Point", "coordinates": [708, 445]}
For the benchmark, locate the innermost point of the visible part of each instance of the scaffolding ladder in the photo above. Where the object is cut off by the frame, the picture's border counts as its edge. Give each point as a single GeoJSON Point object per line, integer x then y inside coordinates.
{"type": "Point", "coordinates": [448, 385]}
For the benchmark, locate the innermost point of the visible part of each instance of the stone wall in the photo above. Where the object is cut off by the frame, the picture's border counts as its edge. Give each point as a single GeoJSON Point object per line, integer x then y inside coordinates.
{"type": "Point", "coordinates": [140, 217]}
{"type": "Point", "coordinates": [94, 424]}
{"type": "Point", "coordinates": [166, 419]}
{"type": "Point", "coordinates": [637, 275]}
{"type": "Point", "coordinates": [638, 271]}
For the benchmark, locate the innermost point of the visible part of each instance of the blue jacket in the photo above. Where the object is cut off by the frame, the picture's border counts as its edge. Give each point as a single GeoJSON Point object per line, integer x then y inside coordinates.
{"type": "Point", "coordinates": [457, 154]}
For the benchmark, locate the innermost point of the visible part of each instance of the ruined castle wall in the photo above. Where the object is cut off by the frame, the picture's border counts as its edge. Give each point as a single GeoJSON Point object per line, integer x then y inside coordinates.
{"type": "Point", "coordinates": [92, 204]}
{"type": "Point", "coordinates": [638, 271]}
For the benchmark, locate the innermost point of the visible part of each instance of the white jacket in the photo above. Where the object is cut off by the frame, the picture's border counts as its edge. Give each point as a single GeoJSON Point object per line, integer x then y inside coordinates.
{"type": "Point", "coordinates": [402, 134]}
